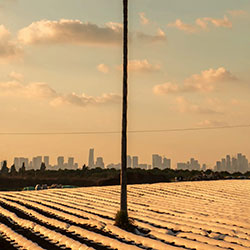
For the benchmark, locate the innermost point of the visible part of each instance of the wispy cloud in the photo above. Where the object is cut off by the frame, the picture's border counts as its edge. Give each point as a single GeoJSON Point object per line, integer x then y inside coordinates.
{"type": "Point", "coordinates": [180, 25]}
{"type": "Point", "coordinates": [203, 82]}
{"type": "Point", "coordinates": [16, 76]}
{"type": "Point", "coordinates": [70, 32]}
{"type": "Point", "coordinates": [42, 91]}
{"type": "Point", "coordinates": [159, 37]}
{"type": "Point", "coordinates": [84, 100]}
{"type": "Point", "coordinates": [8, 47]}
{"type": "Point", "coordinates": [103, 68]}
{"type": "Point", "coordinates": [201, 24]}
{"type": "Point", "coordinates": [225, 22]}
{"type": "Point", "coordinates": [143, 18]}
{"type": "Point", "coordinates": [143, 66]}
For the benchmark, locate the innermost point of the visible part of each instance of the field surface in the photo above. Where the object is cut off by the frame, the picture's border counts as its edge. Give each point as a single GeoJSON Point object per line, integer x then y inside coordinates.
{"type": "Point", "coordinates": [209, 215]}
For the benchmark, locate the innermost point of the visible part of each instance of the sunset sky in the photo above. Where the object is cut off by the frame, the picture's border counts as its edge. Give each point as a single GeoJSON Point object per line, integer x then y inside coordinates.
{"type": "Point", "coordinates": [60, 71]}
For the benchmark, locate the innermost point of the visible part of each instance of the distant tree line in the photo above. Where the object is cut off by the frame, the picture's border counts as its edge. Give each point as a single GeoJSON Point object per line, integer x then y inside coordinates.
{"type": "Point", "coordinates": [13, 179]}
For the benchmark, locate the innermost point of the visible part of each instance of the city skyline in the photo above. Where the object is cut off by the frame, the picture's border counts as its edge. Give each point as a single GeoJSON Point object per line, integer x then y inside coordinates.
{"type": "Point", "coordinates": [231, 163]}
{"type": "Point", "coordinates": [188, 67]}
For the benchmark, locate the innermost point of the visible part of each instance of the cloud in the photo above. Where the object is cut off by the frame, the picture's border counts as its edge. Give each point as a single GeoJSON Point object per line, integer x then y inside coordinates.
{"type": "Point", "coordinates": [143, 18]}
{"type": "Point", "coordinates": [8, 47]}
{"type": "Point", "coordinates": [203, 82]}
{"type": "Point", "coordinates": [225, 22]}
{"type": "Point", "coordinates": [103, 68]}
{"type": "Point", "coordinates": [183, 26]}
{"type": "Point", "coordinates": [16, 76]}
{"type": "Point", "coordinates": [185, 106]}
{"type": "Point", "coordinates": [67, 31]}
{"type": "Point", "coordinates": [159, 37]}
{"type": "Point", "coordinates": [84, 100]}
{"type": "Point", "coordinates": [201, 24]}
{"type": "Point", "coordinates": [237, 13]}
{"type": "Point", "coordinates": [32, 90]}
{"type": "Point", "coordinates": [166, 88]}
{"type": "Point", "coordinates": [213, 75]}
{"type": "Point", "coordinates": [43, 91]}
{"type": "Point", "coordinates": [143, 66]}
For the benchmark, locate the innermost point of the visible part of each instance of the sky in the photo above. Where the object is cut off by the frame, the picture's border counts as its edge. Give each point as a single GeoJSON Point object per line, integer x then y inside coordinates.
{"type": "Point", "coordinates": [60, 71]}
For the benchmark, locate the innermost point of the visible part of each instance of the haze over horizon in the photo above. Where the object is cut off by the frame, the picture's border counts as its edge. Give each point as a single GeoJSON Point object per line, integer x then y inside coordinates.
{"type": "Point", "coordinates": [61, 72]}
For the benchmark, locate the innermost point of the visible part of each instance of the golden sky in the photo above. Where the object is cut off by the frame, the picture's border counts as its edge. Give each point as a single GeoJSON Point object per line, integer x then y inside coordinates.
{"type": "Point", "coordinates": [60, 71]}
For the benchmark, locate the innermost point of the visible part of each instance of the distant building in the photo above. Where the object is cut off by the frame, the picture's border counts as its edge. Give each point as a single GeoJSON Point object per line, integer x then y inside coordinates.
{"type": "Point", "coordinates": [182, 166]}
{"type": "Point", "coordinates": [115, 166]}
{"type": "Point", "coordinates": [166, 163]}
{"type": "Point", "coordinates": [70, 164]}
{"type": "Point", "coordinates": [234, 164]}
{"type": "Point", "coordinates": [159, 162]}
{"type": "Point", "coordinates": [228, 163]}
{"type": "Point", "coordinates": [129, 161]}
{"type": "Point", "coordinates": [99, 162]}
{"type": "Point", "coordinates": [46, 161]}
{"type": "Point", "coordinates": [156, 161]}
{"type": "Point", "coordinates": [135, 161]}
{"type": "Point", "coordinates": [36, 162]}
{"type": "Point", "coordinates": [60, 162]}
{"type": "Point", "coordinates": [190, 165]}
{"type": "Point", "coordinates": [91, 158]}
{"type": "Point", "coordinates": [204, 167]}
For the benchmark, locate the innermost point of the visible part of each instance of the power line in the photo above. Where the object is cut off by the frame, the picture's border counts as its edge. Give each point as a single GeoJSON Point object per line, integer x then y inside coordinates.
{"type": "Point", "coordinates": [131, 131]}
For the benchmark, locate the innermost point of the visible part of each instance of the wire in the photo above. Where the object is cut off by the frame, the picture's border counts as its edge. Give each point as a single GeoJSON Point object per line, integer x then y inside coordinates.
{"type": "Point", "coordinates": [130, 131]}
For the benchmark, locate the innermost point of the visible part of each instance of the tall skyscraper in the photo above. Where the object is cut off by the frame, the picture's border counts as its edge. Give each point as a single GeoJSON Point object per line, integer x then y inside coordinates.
{"type": "Point", "coordinates": [17, 163]}
{"type": "Point", "coordinates": [129, 161]}
{"type": "Point", "coordinates": [228, 163]}
{"type": "Point", "coordinates": [36, 162]}
{"type": "Point", "coordinates": [223, 164]}
{"type": "Point", "coordinates": [60, 162]}
{"type": "Point", "coordinates": [156, 161]}
{"type": "Point", "coordinates": [46, 161]}
{"type": "Point", "coordinates": [135, 161]}
{"type": "Point", "coordinates": [70, 163]}
{"type": "Point", "coordinates": [91, 158]}
{"type": "Point", "coordinates": [166, 163]}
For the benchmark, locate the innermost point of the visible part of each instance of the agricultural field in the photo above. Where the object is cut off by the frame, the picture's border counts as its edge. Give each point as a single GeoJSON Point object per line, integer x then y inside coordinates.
{"type": "Point", "coordinates": [205, 215]}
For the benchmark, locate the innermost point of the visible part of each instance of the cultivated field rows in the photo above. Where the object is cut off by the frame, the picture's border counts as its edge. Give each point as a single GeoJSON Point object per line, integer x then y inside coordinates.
{"type": "Point", "coordinates": [186, 215]}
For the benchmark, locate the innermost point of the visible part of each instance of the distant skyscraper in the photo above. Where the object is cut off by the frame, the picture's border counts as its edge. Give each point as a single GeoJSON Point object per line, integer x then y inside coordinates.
{"type": "Point", "coordinates": [129, 161]}
{"type": "Point", "coordinates": [204, 167]}
{"type": "Point", "coordinates": [135, 161]}
{"type": "Point", "coordinates": [156, 161]}
{"type": "Point", "coordinates": [228, 163]}
{"type": "Point", "coordinates": [70, 164]}
{"type": "Point", "coordinates": [36, 162]}
{"type": "Point", "coordinates": [223, 164]}
{"type": "Point", "coordinates": [218, 166]}
{"type": "Point", "coordinates": [182, 166]}
{"type": "Point", "coordinates": [46, 161]}
{"type": "Point", "coordinates": [166, 163]}
{"type": "Point", "coordinates": [60, 162]}
{"type": "Point", "coordinates": [17, 163]}
{"type": "Point", "coordinates": [91, 158]}
{"type": "Point", "coordinates": [234, 164]}
{"type": "Point", "coordinates": [99, 162]}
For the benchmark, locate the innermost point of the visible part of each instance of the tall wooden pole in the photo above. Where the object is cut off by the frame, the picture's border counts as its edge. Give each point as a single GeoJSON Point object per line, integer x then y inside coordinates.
{"type": "Point", "coordinates": [124, 110]}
